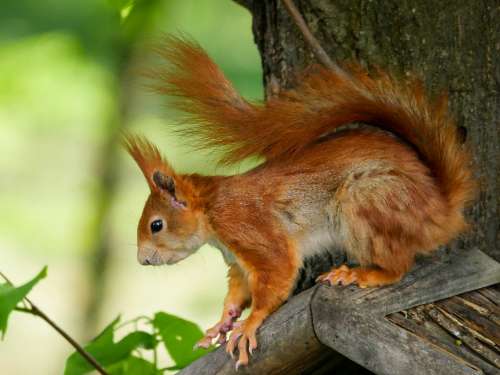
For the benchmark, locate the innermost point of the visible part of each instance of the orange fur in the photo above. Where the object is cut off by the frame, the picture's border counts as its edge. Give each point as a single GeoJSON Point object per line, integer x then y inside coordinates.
{"type": "Point", "coordinates": [147, 156]}
{"type": "Point", "coordinates": [323, 101]}
{"type": "Point", "coordinates": [383, 198]}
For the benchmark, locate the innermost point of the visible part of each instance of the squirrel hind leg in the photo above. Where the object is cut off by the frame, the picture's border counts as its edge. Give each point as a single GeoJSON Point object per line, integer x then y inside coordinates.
{"type": "Point", "coordinates": [383, 262]}
{"type": "Point", "coordinates": [364, 277]}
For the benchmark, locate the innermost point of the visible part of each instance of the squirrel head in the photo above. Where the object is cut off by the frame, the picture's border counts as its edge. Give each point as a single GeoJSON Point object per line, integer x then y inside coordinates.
{"type": "Point", "coordinates": [171, 226]}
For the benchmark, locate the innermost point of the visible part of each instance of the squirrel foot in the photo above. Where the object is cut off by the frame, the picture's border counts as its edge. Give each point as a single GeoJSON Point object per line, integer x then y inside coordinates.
{"type": "Point", "coordinates": [219, 331]}
{"type": "Point", "coordinates": [364, 277]}
{"type": "Point", "coordinates": [342, 275]}
{"type": "Point", "coordinates": [244, 337]}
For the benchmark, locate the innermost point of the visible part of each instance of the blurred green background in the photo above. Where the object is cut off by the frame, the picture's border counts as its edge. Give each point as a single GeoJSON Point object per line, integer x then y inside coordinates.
{"type": "Point", "coordinates": [70, 198]}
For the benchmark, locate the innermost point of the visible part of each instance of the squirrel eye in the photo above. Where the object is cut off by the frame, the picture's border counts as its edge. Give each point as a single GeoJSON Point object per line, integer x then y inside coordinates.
{"type": "Point", "coordinates": [156, 226]}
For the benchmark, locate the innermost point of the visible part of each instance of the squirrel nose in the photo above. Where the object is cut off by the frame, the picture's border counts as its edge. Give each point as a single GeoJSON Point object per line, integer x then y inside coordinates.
{"type": "Point", "coordinates": [144, 259]}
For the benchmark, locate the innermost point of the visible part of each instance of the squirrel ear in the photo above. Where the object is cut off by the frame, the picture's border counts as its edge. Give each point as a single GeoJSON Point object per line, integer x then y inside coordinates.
{"type": "Point", "coordinates": [165, 183]}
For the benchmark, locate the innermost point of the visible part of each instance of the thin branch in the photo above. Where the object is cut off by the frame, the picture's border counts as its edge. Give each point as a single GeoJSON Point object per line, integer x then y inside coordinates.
{"type": "Point", "coordinates": [6, 279]}
{"type": "Point", "coordinates": [313, 43]}
{"type": "Point", "coordinates": [25, 310]}
{"type": "Point", "coordinates": [34, 310]}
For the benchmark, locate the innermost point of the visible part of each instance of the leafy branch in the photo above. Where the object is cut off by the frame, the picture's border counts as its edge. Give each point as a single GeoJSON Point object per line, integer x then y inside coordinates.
{"type": "Point", "coordinates": [104, 353]}
{"type": "Point", "coordinates": [15, 293]}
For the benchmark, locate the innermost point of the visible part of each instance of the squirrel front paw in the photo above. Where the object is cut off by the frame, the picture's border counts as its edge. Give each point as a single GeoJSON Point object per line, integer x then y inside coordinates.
{"type": "Point", "coordinates": [242, 336]}
{"type": "Point", "coordinates": [220, 330]}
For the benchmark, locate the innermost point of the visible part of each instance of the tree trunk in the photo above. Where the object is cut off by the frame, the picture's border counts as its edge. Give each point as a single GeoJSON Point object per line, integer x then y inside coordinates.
{"type": "Point", "coordinates": [453, 45]}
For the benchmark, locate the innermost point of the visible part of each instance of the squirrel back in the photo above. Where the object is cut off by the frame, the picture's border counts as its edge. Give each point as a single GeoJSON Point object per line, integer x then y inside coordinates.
{"type": "Point", "coordinates": [363, 190]}
{"type": "Point", "coordinates": [323, 101]}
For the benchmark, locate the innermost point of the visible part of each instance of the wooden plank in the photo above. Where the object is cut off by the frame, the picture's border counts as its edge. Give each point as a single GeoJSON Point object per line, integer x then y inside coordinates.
{"type": "Point", "coordinates": [478, 325]}
{"type": "Point", "coordinates": [386, 349]}
{"type": "Point", "coordinates": [447, 321]}
{"type": "Point", "coordinates": [434, 278]}
{"type": "Point", "coordinates": [436, 335]}
{"type": "Point", "coordinates": [351, 320]}
{"type": "Point", "coordinates": [462, 325]}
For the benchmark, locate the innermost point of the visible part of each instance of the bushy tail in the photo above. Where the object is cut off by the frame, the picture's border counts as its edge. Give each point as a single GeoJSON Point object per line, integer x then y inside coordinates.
{"type": "Point", "coordinates": [218, 116]}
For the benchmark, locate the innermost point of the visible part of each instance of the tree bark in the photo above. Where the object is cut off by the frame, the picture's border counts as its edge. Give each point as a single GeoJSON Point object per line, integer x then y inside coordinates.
{"type": "Point", "coordinates": [452, 45]}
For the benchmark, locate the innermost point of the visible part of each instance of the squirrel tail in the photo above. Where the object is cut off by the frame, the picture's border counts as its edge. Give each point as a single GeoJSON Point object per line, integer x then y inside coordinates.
{"type": "Point", "coordinates": [216, 115]}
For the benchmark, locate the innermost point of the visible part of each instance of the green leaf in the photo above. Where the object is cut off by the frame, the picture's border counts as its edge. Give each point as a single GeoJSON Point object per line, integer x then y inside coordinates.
{"type": "Point", "coordinates": [76, 364]}
{"type": "Point", "coordinates": [10, 296]}
{"type": "Point", "coordinates": [133, 366]}
{"type": "Point", "coordinates": [179, 337]}
{"type": "Point", "coordinates": [107, 352]}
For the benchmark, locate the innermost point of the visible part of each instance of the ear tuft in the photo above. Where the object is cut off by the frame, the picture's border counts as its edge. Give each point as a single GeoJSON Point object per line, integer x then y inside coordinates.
{"type": "Point", "coordinates": [148, 158]}
{"type": "Point", "coordinates": [142, 150]}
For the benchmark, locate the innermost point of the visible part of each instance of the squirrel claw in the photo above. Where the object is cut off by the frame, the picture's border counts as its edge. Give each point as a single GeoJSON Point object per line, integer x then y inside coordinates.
{"type": "Point", "coordinates": [241, 362]}
{"type": "Point", "coordinates": [244, 338]}
{"type": "Point", "coordinates": [342, 275]}
{"type": "Point", "coordinates": [231, 343]}
{"type": "Point", "coordinates": [322, 279]}
{"type": "Point", "coordinates": [237, 366]}
{"type": "Point", "coordinates": [204, 343]}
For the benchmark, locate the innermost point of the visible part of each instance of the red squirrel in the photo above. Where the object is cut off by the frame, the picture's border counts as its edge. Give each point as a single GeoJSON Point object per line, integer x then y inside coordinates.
{"type": "Point", "coordinates": [384, 193]}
